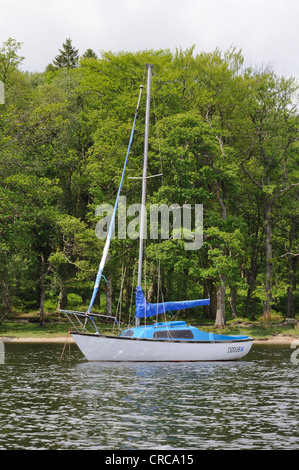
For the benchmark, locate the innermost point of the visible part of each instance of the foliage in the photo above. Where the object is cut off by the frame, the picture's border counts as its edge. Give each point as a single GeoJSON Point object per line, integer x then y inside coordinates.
{"type": "Point", "coordinates": [9, 59]}
{"type": "Point", "coordinates": [67, 57]}
{"type": "Point", "coordinates": [222, 135]}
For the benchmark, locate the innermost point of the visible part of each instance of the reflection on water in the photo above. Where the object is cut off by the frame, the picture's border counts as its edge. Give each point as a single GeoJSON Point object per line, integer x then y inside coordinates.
{"type": "Point", "coordinates": [48, 404]}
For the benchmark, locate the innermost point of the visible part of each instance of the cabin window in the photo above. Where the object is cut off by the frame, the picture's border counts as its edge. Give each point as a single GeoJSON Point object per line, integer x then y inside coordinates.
{"type": "Point", "coordinates": [128, 333]}
{"type": "Point", "coordinates": [181, 334]}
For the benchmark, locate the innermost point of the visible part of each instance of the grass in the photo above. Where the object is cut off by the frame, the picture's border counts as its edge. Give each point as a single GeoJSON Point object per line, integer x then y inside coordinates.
{"type": "Point", "coordinates": [257, 330]}
{"type": "Point", "coordinates": [28, 326]}
{"type": "Point", "coordinates": [33, 330]}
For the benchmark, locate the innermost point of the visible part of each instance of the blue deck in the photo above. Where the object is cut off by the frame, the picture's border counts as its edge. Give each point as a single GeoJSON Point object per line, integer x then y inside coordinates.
{"type": "Point", "coordinates": [176, 330]}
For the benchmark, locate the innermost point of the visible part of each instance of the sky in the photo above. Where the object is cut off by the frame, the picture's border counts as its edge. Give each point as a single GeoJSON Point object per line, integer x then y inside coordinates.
{"type": "Point", "coordinates": [265, 30]}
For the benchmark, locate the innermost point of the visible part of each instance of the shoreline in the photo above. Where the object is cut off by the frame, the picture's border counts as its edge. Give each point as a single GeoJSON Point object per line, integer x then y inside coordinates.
{"type": "Point", "coordinates": [28, 339]}
{"type": "Point", "coordinates": [278, 339]}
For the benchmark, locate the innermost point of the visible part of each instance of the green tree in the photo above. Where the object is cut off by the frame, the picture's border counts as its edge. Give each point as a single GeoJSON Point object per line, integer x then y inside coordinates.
{"type": "Point", "coordinates": [270, 154]}
{"type": "Point", "coordinates": [68, 56]}
{"type": "Point", "coordinates": [222, 136]}
{"type": "Point", "coordinates": [9, 58]}
{"type": "Point", "coordinates": [89, 54]}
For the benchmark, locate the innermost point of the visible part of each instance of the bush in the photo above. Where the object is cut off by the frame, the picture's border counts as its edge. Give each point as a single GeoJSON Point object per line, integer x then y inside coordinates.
{"type": "Point", "coordinates": [74, 301]}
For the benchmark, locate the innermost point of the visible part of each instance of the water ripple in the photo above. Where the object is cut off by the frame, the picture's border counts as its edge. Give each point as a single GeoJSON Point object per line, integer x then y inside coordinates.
{"type": "Point", "coordinates": [48, 404]}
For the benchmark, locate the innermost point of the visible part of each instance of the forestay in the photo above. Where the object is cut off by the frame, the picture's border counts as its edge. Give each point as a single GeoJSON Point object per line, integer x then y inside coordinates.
{"type": "Point", "coordinates": [112, 222]}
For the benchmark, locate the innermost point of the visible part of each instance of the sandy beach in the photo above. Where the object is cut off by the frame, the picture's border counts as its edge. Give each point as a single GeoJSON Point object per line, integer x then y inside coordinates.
{"type": "Point", "coordinates": [58, 339]}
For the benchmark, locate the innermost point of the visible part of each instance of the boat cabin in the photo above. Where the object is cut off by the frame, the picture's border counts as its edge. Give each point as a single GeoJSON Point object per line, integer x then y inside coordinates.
{"type": "Point", "coordinates": [175, 330]}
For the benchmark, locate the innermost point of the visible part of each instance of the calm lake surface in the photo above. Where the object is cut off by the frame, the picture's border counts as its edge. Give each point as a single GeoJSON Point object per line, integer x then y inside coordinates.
{"type": "Point", "coordinates": [71, 404]}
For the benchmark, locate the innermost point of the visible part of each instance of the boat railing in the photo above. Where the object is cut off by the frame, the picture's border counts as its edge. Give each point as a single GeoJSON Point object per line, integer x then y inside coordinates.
{"type": "Point", "coordinates": [85, 322]}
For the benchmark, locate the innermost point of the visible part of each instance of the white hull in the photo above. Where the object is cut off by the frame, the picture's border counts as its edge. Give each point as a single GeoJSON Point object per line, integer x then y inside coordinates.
{"type": "Point", "coordinates": [115, 348]}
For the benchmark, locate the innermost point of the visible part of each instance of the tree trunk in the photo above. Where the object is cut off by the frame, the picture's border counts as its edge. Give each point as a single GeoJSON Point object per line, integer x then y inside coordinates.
{"type": "Point", "coordinates": [42, 292]}
{"type": "Point", "coordinates": [209, 311]}
{"type": "Point", "coordinates": [220, 294]}
{"type": "Point", "coordinates": [290, 311]}
{"type": "Point", "coordinates": [62, 298]}
{"type": "Point", "coordinates": [233, 300]}
{"type": "Point", "coordinates": [268, 252]}
{"type": "Point", "coordinates": [43, 273]}
{"type": "Point", "coordinates": [151, 293]}
{"type": "Point", "coordinates": [5, 301]}
{"type": "Point", "coordinates": [127, 293]}
{"type": "Point", "coordinates": [206, 295]}
{"type": "Point", "coordinates": [252, 274]}
{"type": "Point", "coordinates": [220, 309]}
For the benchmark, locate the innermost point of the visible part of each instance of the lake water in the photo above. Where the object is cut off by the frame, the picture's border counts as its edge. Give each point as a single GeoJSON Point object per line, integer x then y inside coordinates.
{"type": "Point", "coordinates": [71, 404]}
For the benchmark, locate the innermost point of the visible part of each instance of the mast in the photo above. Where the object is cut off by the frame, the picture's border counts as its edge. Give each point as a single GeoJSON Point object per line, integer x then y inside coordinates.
{"type": "Point", "coordinates": [142, 216]}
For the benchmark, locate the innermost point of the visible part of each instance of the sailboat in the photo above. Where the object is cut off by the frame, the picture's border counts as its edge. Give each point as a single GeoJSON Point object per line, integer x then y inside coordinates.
{"type": "Point", "coordinates": [172, 341]}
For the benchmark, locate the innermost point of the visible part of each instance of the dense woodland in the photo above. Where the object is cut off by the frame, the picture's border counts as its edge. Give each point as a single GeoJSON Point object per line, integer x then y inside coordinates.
{"type": "Point", "coordinates": [224, 135]}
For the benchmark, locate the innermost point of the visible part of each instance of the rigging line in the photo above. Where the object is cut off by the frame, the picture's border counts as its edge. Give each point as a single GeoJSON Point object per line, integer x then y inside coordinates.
{"type": "Point", "coordinates": [157, 132]}
{"type": "Point", "coordinates": [158, 289]}
{"type": "Point", "coordinates": [121, 284]}
{"type": "Point", "coordinates": [111, 227]}
{"type": "Point", "coordinates": [145, 294]}
{"type": "Point", "coordinates": [118, 309]}
{"type": "Point", "coordinates": [67, 340]}
{"type": "Point", "coordinates": [132, 293]}
{"type": "Point", "coordinates": [142, 247]}
{"type": "Point", "coordinates": [161, 192]}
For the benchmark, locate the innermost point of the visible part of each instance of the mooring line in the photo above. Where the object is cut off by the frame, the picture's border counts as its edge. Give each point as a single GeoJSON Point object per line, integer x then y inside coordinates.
{"type": "Point", "coordinates": [66, 340]}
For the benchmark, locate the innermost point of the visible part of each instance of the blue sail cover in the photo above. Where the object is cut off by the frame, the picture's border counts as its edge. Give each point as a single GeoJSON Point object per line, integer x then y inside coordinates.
{"type": "Point", "coordinates": [146, 309]}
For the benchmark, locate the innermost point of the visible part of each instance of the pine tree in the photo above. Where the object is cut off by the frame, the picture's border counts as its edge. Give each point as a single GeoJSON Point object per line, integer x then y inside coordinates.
{"type": "Point", "coordinates": [68, 56]}
{"type": "Point", "coordinates": [89, 54]}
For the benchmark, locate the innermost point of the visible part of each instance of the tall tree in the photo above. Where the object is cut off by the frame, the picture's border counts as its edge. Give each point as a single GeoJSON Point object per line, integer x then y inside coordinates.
{"type": "Point", "coordinates": [269, 155]}
{"type": "Point", "coordinates": [226, 139]}
{"type": "Point", "coordinates": [9, 58]}
{"type": "Point", "coordinates": [89, 54]}
{"type": "Point", "coordinates": [68, 56]}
